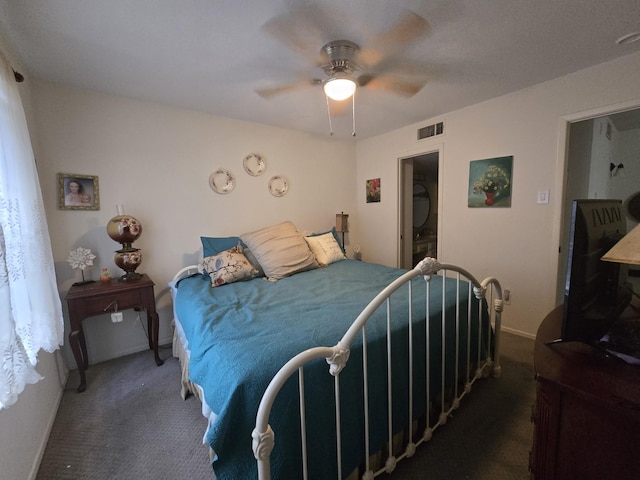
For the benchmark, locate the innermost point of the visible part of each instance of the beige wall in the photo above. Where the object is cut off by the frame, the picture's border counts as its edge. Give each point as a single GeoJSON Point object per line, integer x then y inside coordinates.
{"type": "Point", "coordinates": [156, 161]}
{"type": "Point", "coordinates": [518, 245]}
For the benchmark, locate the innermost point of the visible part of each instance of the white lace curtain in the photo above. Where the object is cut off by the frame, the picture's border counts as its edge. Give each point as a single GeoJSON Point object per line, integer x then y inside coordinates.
{"type": "Point", "coordinates": [30, 311]}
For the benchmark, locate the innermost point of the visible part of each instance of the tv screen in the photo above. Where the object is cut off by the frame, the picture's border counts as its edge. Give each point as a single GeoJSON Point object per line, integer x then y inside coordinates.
{"type": "Point", "coordinates": [595, 291]}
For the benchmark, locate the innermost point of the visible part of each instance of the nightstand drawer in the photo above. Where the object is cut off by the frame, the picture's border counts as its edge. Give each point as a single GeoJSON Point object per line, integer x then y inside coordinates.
{"type": "Point", "coordinates": [111, 303]}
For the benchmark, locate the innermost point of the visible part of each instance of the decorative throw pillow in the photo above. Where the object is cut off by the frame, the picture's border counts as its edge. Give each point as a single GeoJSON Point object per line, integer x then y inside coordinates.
{"type": "Point", "coordinates": [325, 248]}
{"type": "Point", "coordinates": [332, 232]}
{"type": "Point", "coordinates": [228, 267]}
{"type": "Point", "coordinates": [280, 250]}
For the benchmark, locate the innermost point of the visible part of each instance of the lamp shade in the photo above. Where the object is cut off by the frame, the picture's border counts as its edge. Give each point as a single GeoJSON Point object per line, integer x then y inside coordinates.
{"type": "Point", "coordinates": [342, 222]}
{"type": "Point", "coordinates": [627, 250]}
{"type": "Point", "coordinates": [339, 88]}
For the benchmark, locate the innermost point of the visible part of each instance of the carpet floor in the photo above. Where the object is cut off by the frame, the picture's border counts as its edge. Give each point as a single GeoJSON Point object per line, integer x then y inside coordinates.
{"type": "Point", "coordinates": [131, 423]}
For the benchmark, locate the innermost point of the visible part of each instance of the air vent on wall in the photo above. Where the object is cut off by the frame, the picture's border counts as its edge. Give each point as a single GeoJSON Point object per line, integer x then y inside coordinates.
{"type": "Point", "coordinates": [431, 130]}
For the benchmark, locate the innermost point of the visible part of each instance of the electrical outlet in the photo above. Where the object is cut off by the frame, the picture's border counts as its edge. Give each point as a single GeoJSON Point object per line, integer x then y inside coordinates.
{"type": "Point", "coordinates": [506, 296]}
{"type": "Point", "coordinates": [116, 317]}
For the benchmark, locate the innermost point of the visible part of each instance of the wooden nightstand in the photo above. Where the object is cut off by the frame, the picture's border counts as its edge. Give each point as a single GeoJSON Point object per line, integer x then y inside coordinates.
{"type": "Point", "coordinates": [100, 298]}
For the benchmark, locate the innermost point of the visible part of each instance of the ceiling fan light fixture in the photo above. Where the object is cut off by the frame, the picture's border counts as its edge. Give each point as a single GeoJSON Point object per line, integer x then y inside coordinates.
{"type": "Point", "coordinates": [339, 88]}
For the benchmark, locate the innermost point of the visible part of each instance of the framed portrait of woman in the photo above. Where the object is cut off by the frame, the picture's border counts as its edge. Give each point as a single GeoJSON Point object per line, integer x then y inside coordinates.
{"type": "Point", "coordinates": [78, 192]}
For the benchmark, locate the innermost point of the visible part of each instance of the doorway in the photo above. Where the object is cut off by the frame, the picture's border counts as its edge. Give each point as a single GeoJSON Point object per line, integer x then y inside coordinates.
{"type": "Point", "coordinates": [602, 161]}
{"type": "Point", "coordinates": [419, 205]}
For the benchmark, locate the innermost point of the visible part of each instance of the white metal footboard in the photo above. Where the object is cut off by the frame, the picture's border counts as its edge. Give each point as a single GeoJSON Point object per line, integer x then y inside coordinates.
{"type": "Point", "coordinates": [487, 361]}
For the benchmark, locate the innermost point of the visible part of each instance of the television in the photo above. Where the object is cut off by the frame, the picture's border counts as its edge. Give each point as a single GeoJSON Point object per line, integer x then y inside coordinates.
{"type": "Point", "coordinates": [596, 291]}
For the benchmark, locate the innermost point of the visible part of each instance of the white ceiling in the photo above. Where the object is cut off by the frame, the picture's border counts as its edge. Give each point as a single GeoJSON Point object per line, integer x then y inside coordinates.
{"type": "Point", "coordinates": [211, 56]}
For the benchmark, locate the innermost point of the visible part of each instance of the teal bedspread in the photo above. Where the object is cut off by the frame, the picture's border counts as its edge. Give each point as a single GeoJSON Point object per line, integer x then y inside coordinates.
{"type": "Point", "coordinates": [239, 335]}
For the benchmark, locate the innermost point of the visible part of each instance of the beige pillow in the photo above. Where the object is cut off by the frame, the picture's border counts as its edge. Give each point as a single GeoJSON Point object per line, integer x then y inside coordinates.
{"type": "Point", "coordinates": [325, 248]}
{"type": "Point", "coordinates": [280, 250]}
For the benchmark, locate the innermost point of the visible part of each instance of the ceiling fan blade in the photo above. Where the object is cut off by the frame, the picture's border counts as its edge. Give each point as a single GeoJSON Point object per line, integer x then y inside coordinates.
{"type": "Point", "coordinates": [408, 29]}
{"type": "Point", "coordinates": [402, 66]}
{"type": "Point", "coordinates": [271, 92]}
{"type": "Point", "coordinates": [392, 83]}
{"type": "Point", "coordinates": [303, 30]}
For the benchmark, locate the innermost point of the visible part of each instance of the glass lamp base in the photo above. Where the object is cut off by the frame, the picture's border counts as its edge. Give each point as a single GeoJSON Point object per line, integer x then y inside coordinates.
{"type": "Point", "coordinates": [130, 276]}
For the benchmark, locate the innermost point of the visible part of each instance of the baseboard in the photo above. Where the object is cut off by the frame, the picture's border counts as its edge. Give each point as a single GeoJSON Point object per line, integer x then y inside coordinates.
{"type": "Point", "coordinates": [519, 333]}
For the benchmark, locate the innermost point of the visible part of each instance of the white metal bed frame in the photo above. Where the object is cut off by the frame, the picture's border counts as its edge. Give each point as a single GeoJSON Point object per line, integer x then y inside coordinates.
{"type": "Point", "coordinates": [338, 355]}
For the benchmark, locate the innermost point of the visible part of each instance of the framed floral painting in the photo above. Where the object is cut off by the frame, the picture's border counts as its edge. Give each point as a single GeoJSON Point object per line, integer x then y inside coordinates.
{"type": "Point", "coordinates": [373, 190]}
{"type": "Point", "coordinates": [490, 182]}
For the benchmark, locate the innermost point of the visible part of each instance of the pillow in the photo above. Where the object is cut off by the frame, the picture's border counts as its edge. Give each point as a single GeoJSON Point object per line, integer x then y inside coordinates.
{"type": "Point", "coordinates": [325, 248]}
{"type": "Point", "coordinates": [335, 235]}
{"type": "Point", "coordinates": [228, 267]}
{"type": "Point", "coordinates": [254, 261]}
{"type": "Point", "coordinates": [280, 250]}
{"type": "Point", "coordinates": [213, 246]}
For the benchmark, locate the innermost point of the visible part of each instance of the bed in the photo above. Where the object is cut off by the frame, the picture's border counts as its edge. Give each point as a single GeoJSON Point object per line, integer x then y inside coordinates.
{"type": "Point", "coordinates": [339, 358]}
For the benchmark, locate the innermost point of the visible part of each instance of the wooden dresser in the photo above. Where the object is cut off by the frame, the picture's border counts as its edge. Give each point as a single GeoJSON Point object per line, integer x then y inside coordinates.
{"type": "Point", "coordinates": [587, 412]}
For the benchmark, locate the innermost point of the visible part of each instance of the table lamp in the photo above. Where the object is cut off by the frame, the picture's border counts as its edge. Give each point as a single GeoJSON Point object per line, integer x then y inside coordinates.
{"type": "Point", "coordinates": [342, 224]}
{"type": "Point", "coordinates": [125, 230]}
{"type": "Point", "coordinates": [625, 333]}
{"type": "Point", "coordinates": [627, 250]}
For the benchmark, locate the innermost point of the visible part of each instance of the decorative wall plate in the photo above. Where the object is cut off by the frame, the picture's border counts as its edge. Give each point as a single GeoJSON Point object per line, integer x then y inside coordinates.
{"type": "Point", "coordinates": [254, 164]}
{"type": "Point", "coordinates": [278, 185]}
{"type": "Point", "coordinates": [222, 181]}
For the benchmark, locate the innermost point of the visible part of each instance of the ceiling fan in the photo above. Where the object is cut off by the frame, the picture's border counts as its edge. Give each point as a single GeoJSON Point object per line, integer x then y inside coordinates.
{"type": "Point", "coordinates": [346, 65]}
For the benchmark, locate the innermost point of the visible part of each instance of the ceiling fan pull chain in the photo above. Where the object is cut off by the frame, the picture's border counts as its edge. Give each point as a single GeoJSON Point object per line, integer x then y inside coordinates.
{"type": "Point", "coordinates": [353, 113]}
{"type": "Point", "coordinates": [329, 114]}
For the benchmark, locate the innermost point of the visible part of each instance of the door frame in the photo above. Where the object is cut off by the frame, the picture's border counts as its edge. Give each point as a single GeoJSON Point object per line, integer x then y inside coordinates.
{"type": "Point", "coordinates": [405, 207]}
{"type": "Point", "coordinates": [562, 166]}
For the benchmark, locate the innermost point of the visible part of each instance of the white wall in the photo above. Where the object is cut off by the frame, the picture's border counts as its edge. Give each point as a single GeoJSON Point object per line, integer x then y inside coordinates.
{"type": "Point", "coordinates": [619, 147]}
{"type": "Point", "coordinates": [601, 157]}
{"type": "Point", "coordinates": [518, 245]}
{"type": "Point", "coordinates": [626, 181]}
{"type": "Point", "coordinates": [156, 161]}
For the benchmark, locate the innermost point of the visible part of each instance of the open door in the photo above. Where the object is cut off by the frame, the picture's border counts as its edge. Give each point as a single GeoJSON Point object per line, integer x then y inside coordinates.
{"type": "Point", "coordinates": [602, 153]}
{"type": "Point", "coordinates": [418, 208]}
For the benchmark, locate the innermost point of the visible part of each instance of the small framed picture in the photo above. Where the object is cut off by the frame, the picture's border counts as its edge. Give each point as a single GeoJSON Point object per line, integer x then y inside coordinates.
{"type": "Point", "coordinates": [78, 192]}
{"type": "Point", "coordinates": [373, 190]}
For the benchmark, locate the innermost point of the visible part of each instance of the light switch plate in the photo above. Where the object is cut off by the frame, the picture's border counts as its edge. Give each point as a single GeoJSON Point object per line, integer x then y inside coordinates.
{"type": "Point", "coordinates": [543, 197]}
